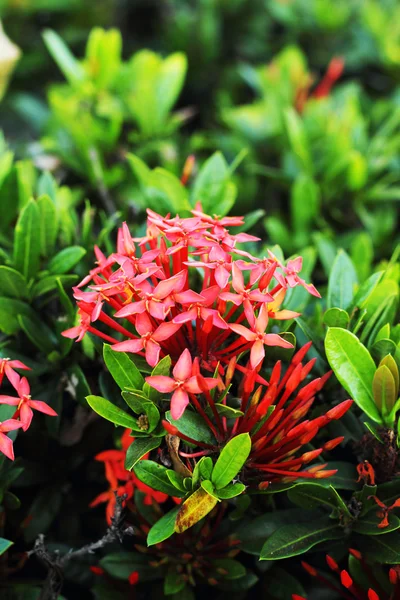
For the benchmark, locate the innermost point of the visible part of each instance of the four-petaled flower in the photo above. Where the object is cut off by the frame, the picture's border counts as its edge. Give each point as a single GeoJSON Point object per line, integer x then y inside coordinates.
{"type": "Point", "coordinates": [257, 336]}
{"type": "Point", "coordinates": [25, 404]}
{"type": "Point", "coordinates": [149, 340]}
{"type": "Point", "coordinates": [183, 383]}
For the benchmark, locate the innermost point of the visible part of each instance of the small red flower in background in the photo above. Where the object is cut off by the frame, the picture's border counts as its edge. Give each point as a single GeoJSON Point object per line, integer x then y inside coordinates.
{"type": "Point", "coordinates": [385, 510]}
{"type": "Point", "coordinates": [348, 583]}
{"type": "Point", "coordinates": [323, 89]}
{"type": "Point", "coordinates": [122, 481]}
{"type": "Point", "coordinates": [133, 578]}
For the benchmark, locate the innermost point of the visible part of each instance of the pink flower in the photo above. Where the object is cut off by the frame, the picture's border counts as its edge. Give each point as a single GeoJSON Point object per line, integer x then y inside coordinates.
{"type": "Point", "coordinates": [7, 367]}
{"type": "Point", "coordinates": [25, 404]}
{"type": "Point", "coordinates": [258, 337]}
{"type": "Point", "coordinates": [6, 445]}
{"type": "Point", "coordinates": [150, 338]}
{"type": "Point", "coordinates": [182, 384]}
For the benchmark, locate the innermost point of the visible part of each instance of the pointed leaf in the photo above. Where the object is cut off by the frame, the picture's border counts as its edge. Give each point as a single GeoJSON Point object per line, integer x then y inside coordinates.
{"type": "Point", "coordinates": [164, 528]}
{"type": "Point", "coordinates": [292, 540]}
{"type": "Point", "coordinates": [123, 370]}
{"type": "Point", "coordinates": [112, 413]}
{"type": "Point", "coordinates": [197, 506]}
{"type": "Point", "coordinates": [231, 460]}
{"type": "Point", "coordinates": [353, 366]}
{"type": "Point", "coordinates": [139, 448]}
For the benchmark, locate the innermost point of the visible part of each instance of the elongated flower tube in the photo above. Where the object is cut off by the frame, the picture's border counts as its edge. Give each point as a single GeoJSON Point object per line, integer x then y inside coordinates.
{"type": "Point", "coordinates": [275, 417]}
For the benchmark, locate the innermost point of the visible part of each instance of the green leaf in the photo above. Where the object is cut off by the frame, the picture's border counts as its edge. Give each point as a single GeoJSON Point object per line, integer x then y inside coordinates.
{"type": "Point", "coordinates": [4, 545]}
{"type": "Point", "coordinates": [12, 283]}
{"type": "Point", "coordinates": [193, 425]}
{"type": "Point", "coordinates": [229, 568]}
{"type": "Point", "coordinates": [292, 540]}
{"type": "Point", "coordinates": [162, 368]}
{"type": "Point", "coordinates": [384, 392]}
{"type": "Point", "coordinates": [164, 528]}
{"type": "Point", "coordinates": [67, 63]}
{"type": "Point", "coordinates": [368, 525]}
{"type": "Point", "coordinates": [138, 449]}
{"type": "Point", "coordinates": [211, 186]}
{"type": "Point", "coordinates": [342, 281]}
{"type": "Point", "coordinates": [112, 413]}
{"type": "Point", "coordinates": [27, 241]}
{"type": "Point", "coordinates": [384, 549]}
{"type": "Point", "coordinates": [122, 369]}
{"type": "Point", "coordinates": [231, 460]}
{"type": "Point", "coordinates": [137, 401]}
{"type": "Point", "coordinates": [230, 491]}
{"type": "Point", "coordinates": [336, 317]}
{"type": "Point", "coordinates": [353, 366]}
{"type": "Point", "coordinates": [39, 334]}
{"type": "Point", "coordinates": [10, 311]}
{"type": "Point", "coordinates": [48, 225]}
{"type": "Point", "coordinates": [195, 508]}
{"type": "Point", "coordinates": [66, 259]}
{"type": "Point", "coordinates": [121, 564]}
{"type": "Point", "coordinates": [209, 488]}
{"type": "Point", "coordinates": [49, 283]}
{"type": "Point", "coordinates": [155, 476]}
{"type": "Point", "coordinates": [173, 582]}
{"type": "Point", "coordinates": [312, 495]}
{"type": "Point", "coordinates": [253, 531]}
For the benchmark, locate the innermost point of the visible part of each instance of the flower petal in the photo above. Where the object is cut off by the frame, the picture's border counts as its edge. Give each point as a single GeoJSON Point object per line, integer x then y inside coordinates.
{"type": "Point", "coordinates": [162, 383]}
{"type": "Point", "coordinates": [128, 346]}
{"type": "Point", "coordinates": [179, 402]}
{"type": "Point", "coordinates": [6, 446]}
{"type": "Point", "coordinates": [183, 367]}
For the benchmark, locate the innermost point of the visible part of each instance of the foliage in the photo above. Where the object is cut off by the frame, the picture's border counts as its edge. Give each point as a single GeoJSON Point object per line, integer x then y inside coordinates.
{"type": "Point", "coordinates": [200, 389]}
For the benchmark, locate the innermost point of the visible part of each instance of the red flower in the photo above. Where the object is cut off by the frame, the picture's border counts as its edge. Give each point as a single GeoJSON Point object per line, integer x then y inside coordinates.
{"type": "Point", "coordinates": [275, 418]}
{"type": "Point", "coordinates": [25, 404]}
{"type": "Point", "coordinates": [151, 287]}
{"type": "Point", "coordinates": [133, 578]}
{"type": "Point", "coordinates": [122, 481]}
{"type": "Point", "coordinates": [258, 337]}
{"type": "Point", "coordinates": [384, 513]}
{"type": "Point", "coordinates": [183, 383]}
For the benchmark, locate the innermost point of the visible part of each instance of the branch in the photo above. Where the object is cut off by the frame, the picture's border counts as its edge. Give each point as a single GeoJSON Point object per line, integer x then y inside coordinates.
{"type": "Point", "coordinates": [55, 563]}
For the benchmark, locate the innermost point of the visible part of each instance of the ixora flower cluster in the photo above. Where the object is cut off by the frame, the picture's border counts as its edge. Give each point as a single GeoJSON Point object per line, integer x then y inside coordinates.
{"type": "Point", "coordinates": [24, 404]}
{"type": "Point", "coordinates": [202, 313]}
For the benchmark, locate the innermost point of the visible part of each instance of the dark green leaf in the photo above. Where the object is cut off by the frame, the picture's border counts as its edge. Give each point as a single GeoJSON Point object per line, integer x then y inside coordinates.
{"type": "Point", "coordinates": [138, 449]}
{"type": "Point", "coordinates": [123, 370]}
{"type": "Point", "coordinates": [164, 528]}
{"type": "Point", "coordinates": [292, 540]}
